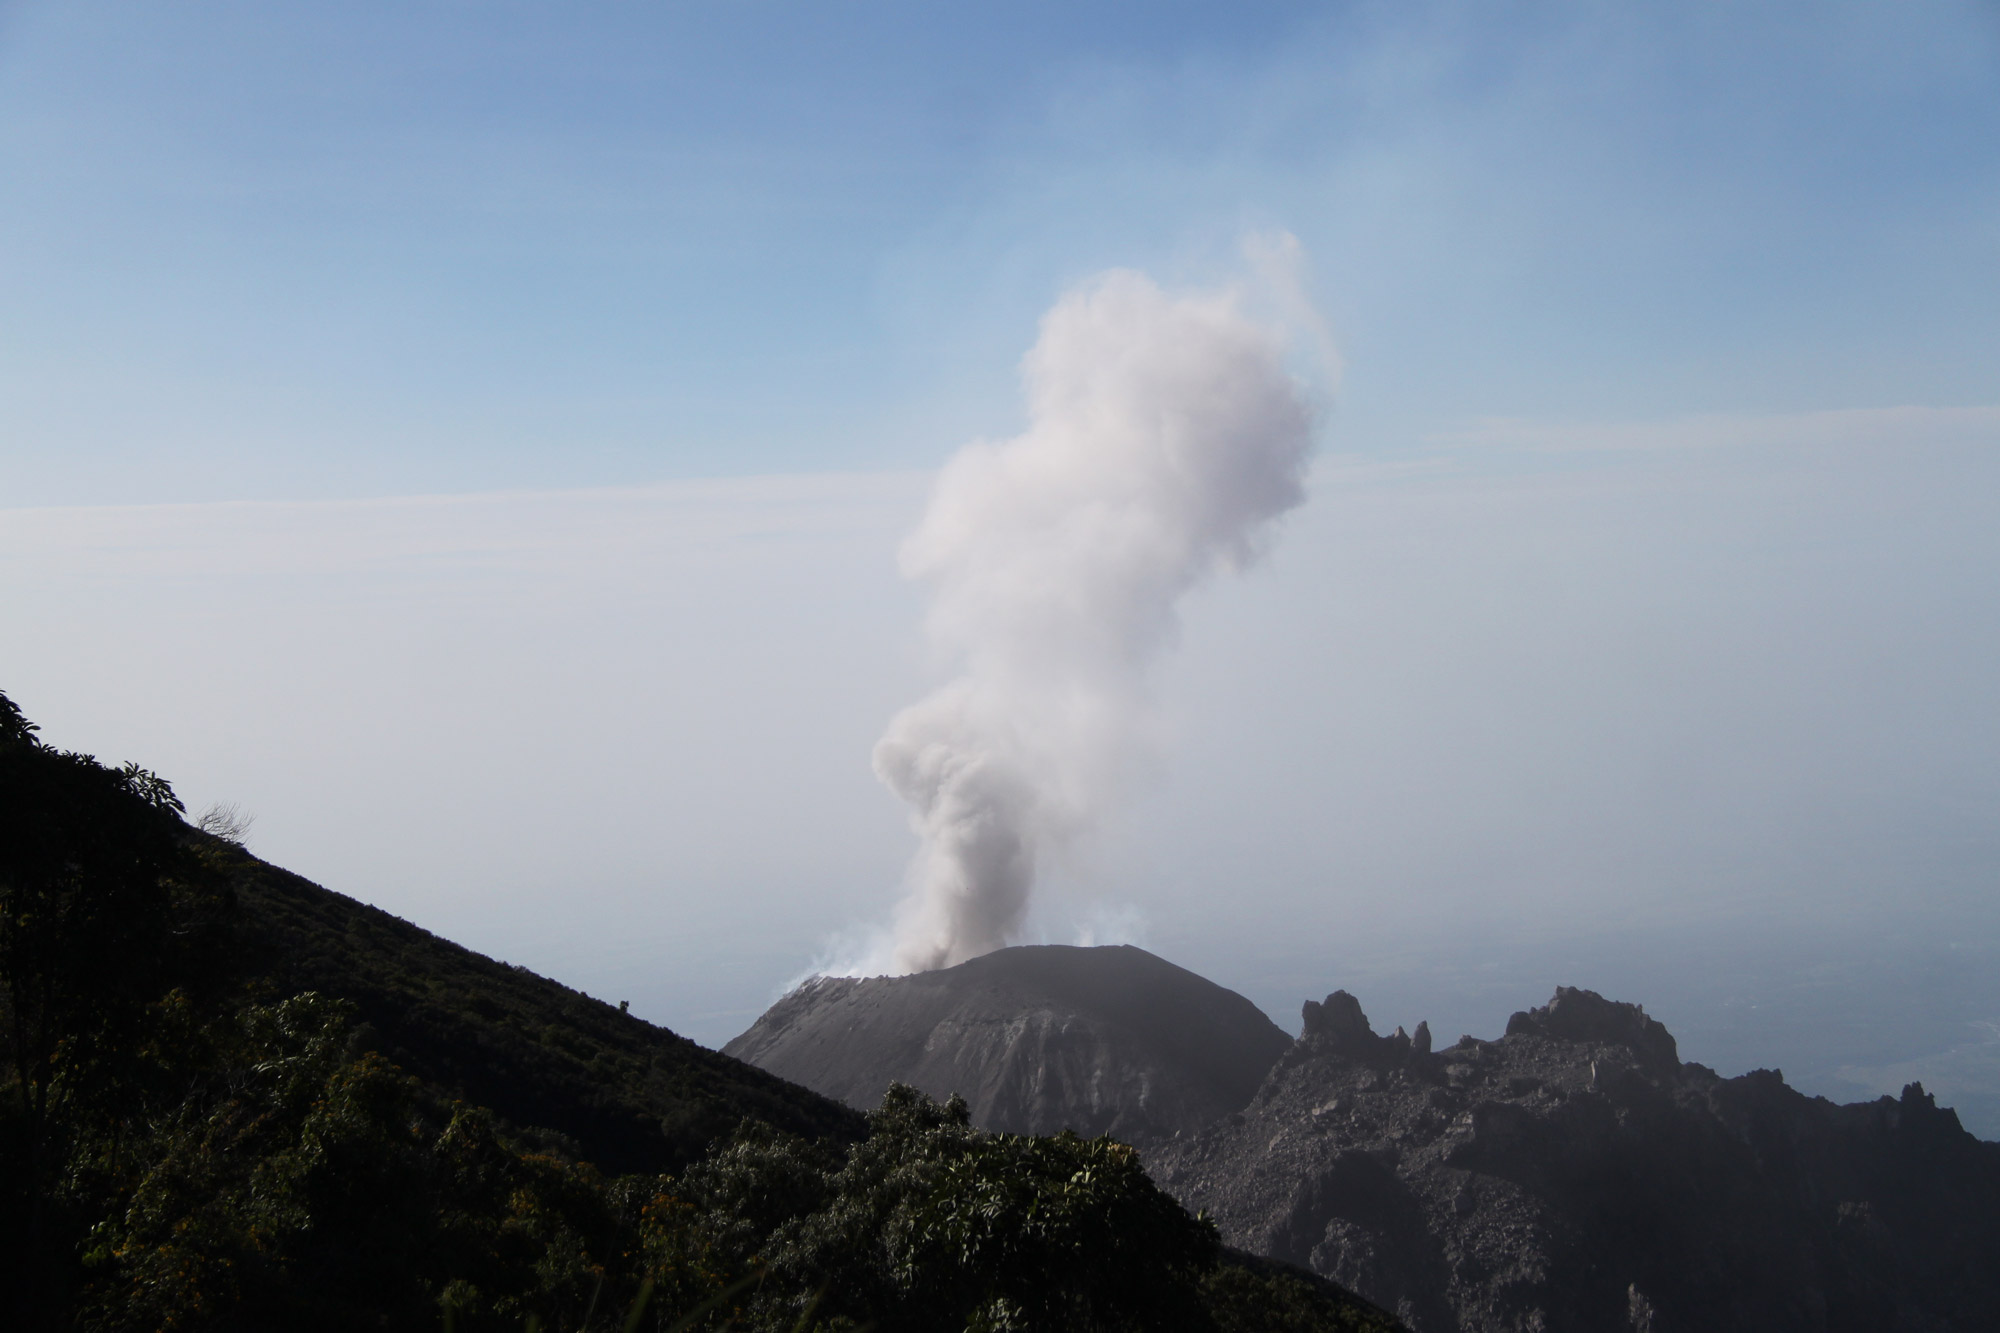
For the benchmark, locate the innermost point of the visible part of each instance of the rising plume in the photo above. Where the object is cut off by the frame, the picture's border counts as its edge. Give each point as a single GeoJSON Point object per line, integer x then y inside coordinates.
{"type": "Point", "coordinates": [1165, 434]}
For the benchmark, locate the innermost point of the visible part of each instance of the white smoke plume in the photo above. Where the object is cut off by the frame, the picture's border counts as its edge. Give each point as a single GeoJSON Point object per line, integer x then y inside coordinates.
{"type": "Point", "coordinates": [1165, 434]}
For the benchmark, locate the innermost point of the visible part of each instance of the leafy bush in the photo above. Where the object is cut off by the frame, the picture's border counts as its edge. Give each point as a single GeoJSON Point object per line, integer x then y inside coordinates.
{"type": "Point", "coordinates": [310, 1188]}
{"type": "Point", "coordinates": [931, 1224]}
{"type": "Point", "coordinates": [105, 911]}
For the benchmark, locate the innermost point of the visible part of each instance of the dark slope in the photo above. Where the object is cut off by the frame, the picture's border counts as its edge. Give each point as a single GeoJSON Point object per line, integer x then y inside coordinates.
{"type": "Point", "coordinates": [1038, 1038]}
{"type": "Point", "coordinates": [1576, 1175]}
{"type": "Point", "coordinates": [631, 1096]}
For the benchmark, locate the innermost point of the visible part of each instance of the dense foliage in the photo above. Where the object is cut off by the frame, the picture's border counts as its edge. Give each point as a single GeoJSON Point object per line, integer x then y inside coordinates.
{"type": "Point", "coordinates": [107, 916]}
{"type": "Point", "coordinates": [182, 1149]}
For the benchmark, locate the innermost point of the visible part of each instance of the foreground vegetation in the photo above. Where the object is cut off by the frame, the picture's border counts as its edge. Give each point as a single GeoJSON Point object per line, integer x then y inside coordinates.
{"type": "Point", "coordinates": [184, 1147]}
{"type": "Point", "coordinates": [591, 1080]}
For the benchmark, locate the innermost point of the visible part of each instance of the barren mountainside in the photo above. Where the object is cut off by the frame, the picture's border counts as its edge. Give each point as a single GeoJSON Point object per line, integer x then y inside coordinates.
{"type": "Point", "coordinates": [1037, 1038]}
{"type": "Point", "coordinates": [1574, 1174]}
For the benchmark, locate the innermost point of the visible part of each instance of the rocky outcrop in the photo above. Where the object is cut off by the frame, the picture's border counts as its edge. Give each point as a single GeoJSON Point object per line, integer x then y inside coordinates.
{"type": "Point", "coordinates": [1037, 1039]}
{"type": "Point", "coordinates": [1575, 1174]}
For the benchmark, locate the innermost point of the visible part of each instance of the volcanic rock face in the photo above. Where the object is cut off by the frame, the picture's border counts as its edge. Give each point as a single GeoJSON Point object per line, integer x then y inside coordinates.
{"type": "Point", "coordinates": [1576, 1175]}
{"type": "Point", "coordinates": [1038, 1038]}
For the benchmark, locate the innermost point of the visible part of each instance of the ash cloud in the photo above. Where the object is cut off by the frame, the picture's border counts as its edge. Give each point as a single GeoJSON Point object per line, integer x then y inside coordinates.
{"type": "Point", "coordinates": [1166, 434]}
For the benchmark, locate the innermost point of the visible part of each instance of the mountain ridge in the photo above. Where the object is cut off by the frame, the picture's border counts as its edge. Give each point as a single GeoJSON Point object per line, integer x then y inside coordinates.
{"type": "Point", "coordinates": [1572, 1173]}
{"type": "Point", "coordinates": [623, 1093]}
{"type": "Point", "coordinates": [235, 1100]}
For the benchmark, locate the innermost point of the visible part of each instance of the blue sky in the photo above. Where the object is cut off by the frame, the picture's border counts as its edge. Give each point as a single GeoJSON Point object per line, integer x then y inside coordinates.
{"type": "Point", "coordinates": [295, 251]}
{"type": "Point", "coordinates": [476, 438]}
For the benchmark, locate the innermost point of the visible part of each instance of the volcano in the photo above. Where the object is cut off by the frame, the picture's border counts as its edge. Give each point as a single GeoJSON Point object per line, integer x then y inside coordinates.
{"type": "Point", "coordinates": [1036, 1038]}
{"type": "Point", "coordinates": [1573, 1173]}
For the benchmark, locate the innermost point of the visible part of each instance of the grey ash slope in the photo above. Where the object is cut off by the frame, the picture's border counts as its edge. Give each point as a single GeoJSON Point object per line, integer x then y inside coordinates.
{"type": "Point", "coordinates": [1576, 1175]}
{"type": "Point", "coordinates": [1037, 1038]}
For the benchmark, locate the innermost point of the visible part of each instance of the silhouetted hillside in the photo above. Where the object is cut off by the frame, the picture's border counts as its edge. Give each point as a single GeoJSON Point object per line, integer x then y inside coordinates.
{"type": "Point", "coordinates": [233, 1101]}
{"type": "Point", "coordinates": [630, 1096]}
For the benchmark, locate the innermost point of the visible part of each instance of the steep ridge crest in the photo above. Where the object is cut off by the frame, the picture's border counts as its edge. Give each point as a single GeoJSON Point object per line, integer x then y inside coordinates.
{"type": "Point", "coordinates": [1575, 1174]}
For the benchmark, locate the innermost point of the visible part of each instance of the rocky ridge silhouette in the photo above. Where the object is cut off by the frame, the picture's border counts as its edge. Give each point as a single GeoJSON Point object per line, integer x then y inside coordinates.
{"type": "Point", "coordinates": [1575, 1174]}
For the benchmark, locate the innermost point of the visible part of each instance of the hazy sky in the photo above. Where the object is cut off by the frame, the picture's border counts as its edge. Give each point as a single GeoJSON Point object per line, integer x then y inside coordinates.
{"type": "Point", "coordinates": [285, 251]}
{"type": "Point", "coordinates": [477, 439]}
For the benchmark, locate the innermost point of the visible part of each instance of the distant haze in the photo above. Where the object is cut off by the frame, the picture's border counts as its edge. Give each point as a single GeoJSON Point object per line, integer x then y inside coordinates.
{"type": "Point", "coordinates": [1702, 707]}
{"type": "Point", "coordinates": [479, 441]}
